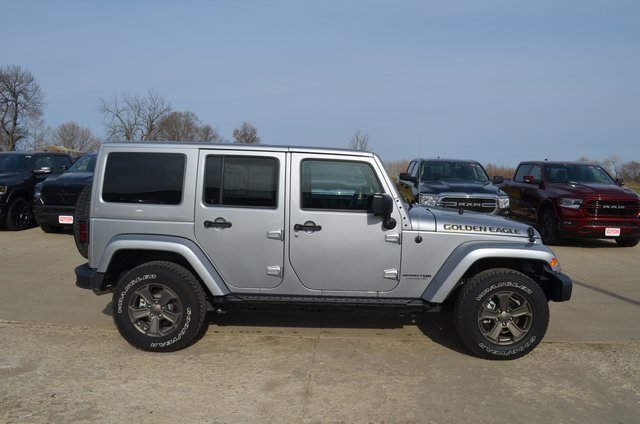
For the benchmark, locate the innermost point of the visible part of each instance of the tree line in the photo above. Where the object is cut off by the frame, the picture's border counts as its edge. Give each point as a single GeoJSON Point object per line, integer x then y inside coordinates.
{"type": "Point", "coordinates": [127, 117]}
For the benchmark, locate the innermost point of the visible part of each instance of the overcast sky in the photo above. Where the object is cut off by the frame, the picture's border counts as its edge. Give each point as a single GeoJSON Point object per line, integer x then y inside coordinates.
{"type": "Point", "coordinates": [495, 81]}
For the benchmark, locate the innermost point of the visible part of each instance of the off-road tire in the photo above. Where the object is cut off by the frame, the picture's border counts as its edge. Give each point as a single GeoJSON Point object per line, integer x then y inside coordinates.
{"type": "Point", "coordinates": [630, 242]}
{"type": "Point", "coordinates": [159, 307]}
{"type": "Point", "coordinates": [81, 215]}
{"type": "Point", "coordinates": [19, 216]}
{"type": "Point", "coordinates": [501, 314]}
{"type": "Point", "coordinates": [549, 227]}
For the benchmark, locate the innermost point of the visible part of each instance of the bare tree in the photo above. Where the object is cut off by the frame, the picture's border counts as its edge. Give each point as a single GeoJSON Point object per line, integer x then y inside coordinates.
{"type": "Point", "coordinates": [612, 164]}
{"type": "Point", "coordinates": [39, 134]}
{"type": "Point", "coordinates": [630, 171]}
{"type": "Point", "coordinates": [246, 134]}
{"type": "Point", "coordinates": [185, 126]}
{"type": "Point", "coordinates": [134, 117]}
{"type": "Point", "coordinates": [360, 142]}
{"type": "Point", "coordinates": [75, 138]}
{"type": "Point", "coordinates": [21, 99]}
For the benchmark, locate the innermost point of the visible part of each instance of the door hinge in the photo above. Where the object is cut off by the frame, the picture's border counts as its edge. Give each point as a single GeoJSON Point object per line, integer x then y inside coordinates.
{"type": "Point", "coordinates": [275, 270]}
{"type": "Point", "coordinates": [276, 234]}
{"type": "Point", "coordinates": [392, 238]}
{"type": "Point", "coordinates": [391, 274]}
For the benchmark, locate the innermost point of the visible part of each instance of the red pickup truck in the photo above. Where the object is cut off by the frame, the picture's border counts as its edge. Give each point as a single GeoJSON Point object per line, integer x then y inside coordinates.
{"type": "Point", "coordinates": [574, 199]}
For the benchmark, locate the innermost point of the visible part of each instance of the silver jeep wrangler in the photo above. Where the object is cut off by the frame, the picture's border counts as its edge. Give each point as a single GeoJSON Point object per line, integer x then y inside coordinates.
{"type": "Point", "coordinates": [176, 230]}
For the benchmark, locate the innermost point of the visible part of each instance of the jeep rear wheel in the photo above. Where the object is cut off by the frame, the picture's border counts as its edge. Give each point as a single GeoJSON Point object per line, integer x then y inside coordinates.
{"type": "Point", "coordinates": [18, 215]}
{"type": "Point", "coordinates": [159, 307]}
{"type": "Point", "coordinates": [501, 314]}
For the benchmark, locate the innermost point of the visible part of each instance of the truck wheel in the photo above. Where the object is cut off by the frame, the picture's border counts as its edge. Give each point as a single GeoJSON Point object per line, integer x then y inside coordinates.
{"type": "Point", "coordinates": [627, 242]}
{"type": "Point", "coordinates": [501, 314]}
{"type": "Point", "coordinates": [159, 307]}
{"type": "Point", "coordinates": [18, 215]}
{"type": "Point", "coordinates": [549, 227]}
{"type": "Point", "coordinates": [81, 217]}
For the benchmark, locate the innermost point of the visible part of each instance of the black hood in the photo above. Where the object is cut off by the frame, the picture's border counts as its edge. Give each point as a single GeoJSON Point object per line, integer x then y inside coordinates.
{"type": "Point", "coordinates": [11, 178]}
{"type": "Point", "coordinates": [453, 186]}
{"type": "Point", "coordinates": [69, 179]}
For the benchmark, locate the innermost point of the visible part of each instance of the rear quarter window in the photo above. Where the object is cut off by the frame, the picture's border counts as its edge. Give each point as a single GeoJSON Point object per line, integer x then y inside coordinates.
{"type": "Point", "coordinates": [150, 178]}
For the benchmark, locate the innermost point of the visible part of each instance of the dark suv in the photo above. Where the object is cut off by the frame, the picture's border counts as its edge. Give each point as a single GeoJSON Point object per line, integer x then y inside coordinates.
{"type": "Point", "coordinates": [574, 199]}
{"type": "Point", "coordinates": [452, 183]}
{"type": "Point", "coordinates": [55, 198]}
{"type": "Point", "coordinates": [19, 173]}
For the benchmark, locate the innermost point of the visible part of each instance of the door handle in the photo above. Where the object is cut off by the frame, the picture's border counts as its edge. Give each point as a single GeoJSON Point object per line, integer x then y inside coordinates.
{"type": "Point", "coordinates": [310, 227]}
{"type": "Point", "coordinates": [217, 224]}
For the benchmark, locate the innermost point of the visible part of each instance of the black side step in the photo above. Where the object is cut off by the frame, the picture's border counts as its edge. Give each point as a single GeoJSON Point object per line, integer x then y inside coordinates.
{"type": "Point", "coordinates": [321, 302]}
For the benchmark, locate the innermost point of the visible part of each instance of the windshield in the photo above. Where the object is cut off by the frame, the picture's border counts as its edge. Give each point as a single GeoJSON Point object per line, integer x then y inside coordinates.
{"type": "Point", "coordinates": [454, 171]}
{"type": "Point", "coordinates": [85, 164]}
{"type": "Point", "coordinates": [13, 163]}
{"type": "Point", "coordinates": [578, 174]}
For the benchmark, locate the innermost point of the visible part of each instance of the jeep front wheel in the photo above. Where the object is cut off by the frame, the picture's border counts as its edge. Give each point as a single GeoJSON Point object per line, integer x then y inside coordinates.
{"type": "Point", "coordinates": [159, 307]}
{"type": "Point", "coordinates": [501, 314]}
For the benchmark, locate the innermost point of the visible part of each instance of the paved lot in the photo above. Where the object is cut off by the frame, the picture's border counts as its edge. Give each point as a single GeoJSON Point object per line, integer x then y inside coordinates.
{"type": "Point", "coordinates": [61, 359]}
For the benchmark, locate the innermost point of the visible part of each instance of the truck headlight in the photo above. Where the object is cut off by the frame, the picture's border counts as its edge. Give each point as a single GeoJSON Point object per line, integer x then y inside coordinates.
{"type": "Point", "coordinates": [570, 203]}
{"type": "Point", "coordinates": [3, 190]}
{"type": "Point", "coordinates": [503, 203]}
{"type": "Point", "coordinates": [428, 200]}
{"type": "Point", "coordinates": [37, 193]}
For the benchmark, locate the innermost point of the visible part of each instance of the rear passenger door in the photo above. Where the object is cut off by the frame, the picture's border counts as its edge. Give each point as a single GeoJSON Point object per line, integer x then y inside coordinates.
{"type": "Point", "coordinates": [240, 210]}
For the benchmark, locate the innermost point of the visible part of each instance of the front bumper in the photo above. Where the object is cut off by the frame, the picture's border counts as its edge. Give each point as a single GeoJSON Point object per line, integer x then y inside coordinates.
{"type": "Point", "coordinates": [556, 285]}
{"type": "Point", "coordinates": [597, 228]}
{"type": "Point", "coordinates": [50, 215]}
{"type": "Point", "coordinates": [89, 278]}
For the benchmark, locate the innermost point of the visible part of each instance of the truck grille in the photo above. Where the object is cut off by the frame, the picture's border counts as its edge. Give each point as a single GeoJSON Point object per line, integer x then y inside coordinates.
{"type": "Point", "coordinates": [611, 208]}
{"type": "Point", "coordinates": [476, 204]}
{"type": "Point", "coordinates": [62, 196]}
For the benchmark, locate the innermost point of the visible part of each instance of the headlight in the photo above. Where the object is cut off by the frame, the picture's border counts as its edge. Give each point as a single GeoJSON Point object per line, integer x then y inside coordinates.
{"type": "Point", "coordinates": [571, 203]}
{"type": "Point", "coordinates": [3, 190]}
{"type": "Point", "coordinates": [503, 203]}
{"type": "Point", "coordinates": [428, 200]}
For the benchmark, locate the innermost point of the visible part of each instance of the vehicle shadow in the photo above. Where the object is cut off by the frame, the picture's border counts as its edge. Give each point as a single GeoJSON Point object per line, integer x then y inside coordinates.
{"type": "Point", "coordinates": [588, 243]}
{"type": "Point", "coordinates": [437, 326]}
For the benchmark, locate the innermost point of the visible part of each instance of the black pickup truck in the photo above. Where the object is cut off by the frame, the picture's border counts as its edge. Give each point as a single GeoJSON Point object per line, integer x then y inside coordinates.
{"type": "Point", "coordinates": [19, 173]}
{"type": "Point", "coordinates": [54, 202]}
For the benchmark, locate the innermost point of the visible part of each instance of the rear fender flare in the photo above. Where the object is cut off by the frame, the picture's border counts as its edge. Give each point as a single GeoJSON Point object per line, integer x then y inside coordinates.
{"type": "Point", "coordinates": [190, 251]}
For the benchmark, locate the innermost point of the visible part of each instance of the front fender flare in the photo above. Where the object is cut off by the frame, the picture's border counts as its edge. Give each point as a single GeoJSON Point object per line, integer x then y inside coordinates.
{"type": "Point", "coordinates": [465, 255]}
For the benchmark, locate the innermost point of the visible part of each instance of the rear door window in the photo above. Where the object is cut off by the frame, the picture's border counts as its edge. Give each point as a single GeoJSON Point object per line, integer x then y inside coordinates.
{"type": "Point", "coordinates": [150, 178]}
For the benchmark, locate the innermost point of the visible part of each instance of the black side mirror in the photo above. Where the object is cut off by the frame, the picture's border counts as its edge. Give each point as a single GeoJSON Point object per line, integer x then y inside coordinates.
{"type": "Point", "coordinates": [408, 177]}
{"type": "Point", "coordinates": [620, 182]}
{"type": "Point", "coordinates": [42, 171]}
{"type": "Point", "coordinates": [382, 205]}
{"type": "Point", "coordinates": [497, 180]}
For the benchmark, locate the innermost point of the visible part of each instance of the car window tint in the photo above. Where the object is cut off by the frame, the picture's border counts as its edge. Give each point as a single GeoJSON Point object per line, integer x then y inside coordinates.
{"type": "Point", "coordinates": [241, 181]}
{"type": "Point", "coordinates": [523, 170]}
{"type": "Point", "coordinates": [338, 185]}
{"type": "Point", "coordinates": [536, 173]}
{"type": "Point", "coordinates": [153, 178]}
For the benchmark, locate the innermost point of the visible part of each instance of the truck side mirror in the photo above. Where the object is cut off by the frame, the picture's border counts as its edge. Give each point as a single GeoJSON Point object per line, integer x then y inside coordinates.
{"type": "Point", "coordinates": [42, 171]}
{"type": "Point", "coordinates": [497, 180]}
{"type": "Point", "coordinates": [620, 182]}
{"type": "Point", "coordinates": [408, 177]}
{"type": "Point", "coordinates": [529, 179]}
{"type": "Point", "coordinates": [382, 205]}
